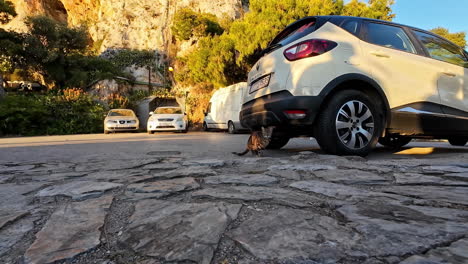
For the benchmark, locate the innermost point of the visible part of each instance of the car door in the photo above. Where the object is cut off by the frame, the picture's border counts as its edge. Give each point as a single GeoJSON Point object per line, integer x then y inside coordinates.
{"type": "Point", "coordinates": [452, 65]}
{"type": "Point", "coordinates": [409, 81]}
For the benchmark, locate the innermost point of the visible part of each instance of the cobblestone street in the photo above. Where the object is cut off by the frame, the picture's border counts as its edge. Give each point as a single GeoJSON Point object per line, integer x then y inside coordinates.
{"type": "Point", "coordinates": [186, 199]}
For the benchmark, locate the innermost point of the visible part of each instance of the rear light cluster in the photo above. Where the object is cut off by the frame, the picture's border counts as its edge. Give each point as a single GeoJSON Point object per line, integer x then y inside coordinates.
{"type": "Point", "coordinates": [309, 48]}
{"type": "Point", "coordinates": [295, 114]}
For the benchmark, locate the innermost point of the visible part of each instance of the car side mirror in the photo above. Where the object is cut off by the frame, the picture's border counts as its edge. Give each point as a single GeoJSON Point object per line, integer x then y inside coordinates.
{"type": "Point", "coordinates": [205, 113]}
{"type": "Point", "coordinates": [185, 113]}
{"type": "Point", "coordinates": [151, 113]}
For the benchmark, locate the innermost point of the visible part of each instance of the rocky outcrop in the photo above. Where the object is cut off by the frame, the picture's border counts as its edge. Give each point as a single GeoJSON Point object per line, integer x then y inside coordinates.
{"type": "Point", "coordinates": [114, 24]}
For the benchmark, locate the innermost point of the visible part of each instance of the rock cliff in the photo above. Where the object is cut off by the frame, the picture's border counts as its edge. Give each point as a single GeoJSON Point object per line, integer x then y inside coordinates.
{"type": "Point", "coordinates": [114, 24]}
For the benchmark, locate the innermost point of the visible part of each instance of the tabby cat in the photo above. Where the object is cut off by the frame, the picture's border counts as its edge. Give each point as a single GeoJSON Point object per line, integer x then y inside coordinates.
{"type": "Point", "coordinates": [257, 142]}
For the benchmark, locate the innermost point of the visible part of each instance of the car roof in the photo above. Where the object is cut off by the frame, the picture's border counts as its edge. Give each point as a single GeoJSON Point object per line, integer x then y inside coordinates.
{"type": "Point", "coordinates": [120, 109]}
{"type": "Point", "coordinates": [372, 20]}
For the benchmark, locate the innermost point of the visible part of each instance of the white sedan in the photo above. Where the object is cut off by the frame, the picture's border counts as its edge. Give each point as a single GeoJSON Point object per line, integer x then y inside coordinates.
{"type": "Point", "coordinates": [121, 120]}
{"type": "Point", "coordinates": [167, 119]}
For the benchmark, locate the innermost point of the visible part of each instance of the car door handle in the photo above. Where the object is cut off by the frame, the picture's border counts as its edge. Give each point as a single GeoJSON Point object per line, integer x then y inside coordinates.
{"type": "Point", "coordinates": [380, 54]}
{"type": "Point", "coordinates": [451, 74]}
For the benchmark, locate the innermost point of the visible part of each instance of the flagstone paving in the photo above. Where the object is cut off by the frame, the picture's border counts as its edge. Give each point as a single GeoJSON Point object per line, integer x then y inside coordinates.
{"type": "Point", "coordinates": [164, 207]}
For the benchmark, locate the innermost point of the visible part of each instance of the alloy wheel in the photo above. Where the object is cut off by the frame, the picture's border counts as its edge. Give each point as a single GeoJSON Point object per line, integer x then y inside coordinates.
{"type": "Point", "coordinates": [355, 125]}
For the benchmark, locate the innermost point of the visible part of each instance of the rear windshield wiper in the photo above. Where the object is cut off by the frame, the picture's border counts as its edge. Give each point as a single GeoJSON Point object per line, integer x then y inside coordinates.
{"type": "Point", "coordinates": [271, 48]}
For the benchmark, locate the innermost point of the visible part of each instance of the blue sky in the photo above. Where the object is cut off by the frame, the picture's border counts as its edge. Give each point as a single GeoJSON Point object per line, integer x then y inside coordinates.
{"type": "Point", "coordinates": [428, 14]}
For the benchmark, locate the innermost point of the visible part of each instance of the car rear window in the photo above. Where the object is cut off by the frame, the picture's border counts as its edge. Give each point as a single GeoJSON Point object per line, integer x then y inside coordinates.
{"type": "Point", "coordinates": [168, 111]}
{"type": "Point", "coordinates": [292, 33]}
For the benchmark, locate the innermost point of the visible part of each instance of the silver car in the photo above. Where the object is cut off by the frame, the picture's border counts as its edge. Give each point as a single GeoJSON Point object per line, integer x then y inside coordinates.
{"type": "Point", "coordinates": [121, 120]}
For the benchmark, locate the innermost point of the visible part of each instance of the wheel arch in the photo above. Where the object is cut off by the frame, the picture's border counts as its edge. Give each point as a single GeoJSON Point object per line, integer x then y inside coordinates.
{"type": "Point", "coordinates": [361, 83]}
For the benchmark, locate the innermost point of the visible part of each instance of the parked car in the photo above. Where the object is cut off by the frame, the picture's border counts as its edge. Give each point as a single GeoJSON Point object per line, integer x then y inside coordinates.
{"type": "Point", "coordinates": [121, 120]}
{"type": "Point", "coordinates": [350, 82]}
{"type": "Point", "coordinates": [224, 107]}
{"type": "Point", "coordinates": [167, 119]}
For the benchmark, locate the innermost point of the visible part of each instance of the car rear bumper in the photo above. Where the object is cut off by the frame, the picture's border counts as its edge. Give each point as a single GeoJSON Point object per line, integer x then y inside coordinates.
{"type": "Point", "coordinates": [269, 110]}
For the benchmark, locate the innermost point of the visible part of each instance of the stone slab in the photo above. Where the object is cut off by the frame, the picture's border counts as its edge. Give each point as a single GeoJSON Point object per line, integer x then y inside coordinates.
{"type": "Point", "coordinates": [195, 172]}
{"type": "Point", "coordinates": [246, 179]}
{"type": "Point", "coordinates": [292, 233]}
{"type": "Point", "coordinates": [254, 193]}
{"type": "Point", "coordinates": [456, 252]}
{"type": "Point", "coordinates": [13, 233]}
{"type": "Point", "coordinates": [456, 195]}
{"type": "Point", "coordinates": [178, 232]}
{"type": "Point", "coordinates": [205, 162]}
{"type": "Point", "coordinates": [79, 190]}
{"type": "Point", "coordinates": [420, 179]}
{"type": "Point", "coordinates": [351, 177]}
{"type": "Point", "coordinates": [302, 167]}
{"type": "Point", "coordinates": [160, 189]}
{"type": "Point", "coordinates": [391, 229]}
{"type": "Point", "coordinates": [72, 229]}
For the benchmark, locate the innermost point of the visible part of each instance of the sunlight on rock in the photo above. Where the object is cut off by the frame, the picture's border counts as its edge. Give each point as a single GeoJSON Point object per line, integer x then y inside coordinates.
{"type": "Point", "coordinates": [416, 151]}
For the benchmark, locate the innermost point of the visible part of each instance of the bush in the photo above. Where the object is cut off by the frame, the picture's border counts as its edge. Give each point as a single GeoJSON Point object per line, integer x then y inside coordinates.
{"type": "Point", "coordinates": [69, 112]}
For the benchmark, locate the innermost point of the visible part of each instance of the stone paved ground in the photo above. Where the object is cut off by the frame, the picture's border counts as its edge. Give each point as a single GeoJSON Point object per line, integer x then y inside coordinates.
{"type": "Point", "coordinates": [165, 207]}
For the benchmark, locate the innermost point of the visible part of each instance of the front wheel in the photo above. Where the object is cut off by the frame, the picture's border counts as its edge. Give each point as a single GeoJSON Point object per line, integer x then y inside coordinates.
{"type": "Point", "coordinates": [351, 124]}
{"type": "Point", "coordinates": [395, 142]}
{"type": "Point", "coordinates": [458, 141]}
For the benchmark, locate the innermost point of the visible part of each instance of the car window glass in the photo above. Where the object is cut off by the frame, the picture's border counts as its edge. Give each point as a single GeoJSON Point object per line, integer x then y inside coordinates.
{"type": "Point", "coordinates": [168, 111]}
{"type": "Point", "coordinates": [442, 50]}
{"type": "Point", "coordinates": [389, 36]}
{"type": "Point", "coordinates": [351, 26]}
{"type": "Point", "coordinates": [294, 32]}
{"type": "Point", "coordinates": [121, 113]}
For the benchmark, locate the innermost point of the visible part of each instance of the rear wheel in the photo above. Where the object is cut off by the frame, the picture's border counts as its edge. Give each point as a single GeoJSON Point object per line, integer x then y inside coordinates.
{"type": "Point", "coordinates": [350, 124]}
{"type": "Point", "coordinates": [231, 128]}
{"type": "Point", "coordinates": [458, 141]}
{"type": "Point", "coordinates": [106, 132]}
{"type": "Point", "coordinates": [395, 142]}
{"type": "Point", "coordinates": [150, 132]}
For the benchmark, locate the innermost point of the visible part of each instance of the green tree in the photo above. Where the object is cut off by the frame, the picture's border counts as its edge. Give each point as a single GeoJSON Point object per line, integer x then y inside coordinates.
{"type": "Point", "coordinates": [7, 11]}
{"type": "Point", "coordinates": [458, 38]}
{"type": "Point", "coordinates": [59, 54]}
{"type": "Point", "coordinates": [188, 23]}
{"type": "Point", "coordinates": [226, 59]}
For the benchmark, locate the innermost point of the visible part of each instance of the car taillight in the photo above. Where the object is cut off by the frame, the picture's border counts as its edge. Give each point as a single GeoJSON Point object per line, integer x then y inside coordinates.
{"type": "Point", "coordinates": [309, 48]}
{"type": "Point", "coordinates": [295, 114]}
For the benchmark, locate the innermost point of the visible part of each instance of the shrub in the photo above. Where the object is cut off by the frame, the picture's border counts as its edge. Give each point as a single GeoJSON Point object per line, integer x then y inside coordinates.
{"type": "Point", "coordinates": [69, 112]}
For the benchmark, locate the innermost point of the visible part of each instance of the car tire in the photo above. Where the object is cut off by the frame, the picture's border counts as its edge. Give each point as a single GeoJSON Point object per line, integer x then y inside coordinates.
{"type": "Point", "coordinates": [150, 132]}
{"type": "Point", "coordinates": [205, 127]}
{"type": "Point", "coordinates": [350, 124]}
{"type": "Point", "coordinates": [277, 142]}
{"type": "Point", "coordinates": [231, 128]}
{"type": "Point", "coordinates": [458, 141]}
{"type": "Point", "coordinates": [106, 132]}
{"type": "Point", "coordinates": [394, 142]}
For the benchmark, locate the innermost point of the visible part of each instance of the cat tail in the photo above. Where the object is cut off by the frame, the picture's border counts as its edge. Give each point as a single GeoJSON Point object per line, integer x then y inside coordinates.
{"type": "Point", "coordinates": [242, 153]}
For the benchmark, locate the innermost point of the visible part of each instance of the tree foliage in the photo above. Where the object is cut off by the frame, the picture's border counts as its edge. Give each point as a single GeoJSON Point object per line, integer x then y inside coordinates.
{"type": "Point", "coordinates": [7, 11]}
{"type": "Point", "coordinates": [458, 38]}
{"type": "Point", "coordinates": [225, 59]}
{"type": "Point", "coordinates": [55, 51]}
{"type": "Point", "coordinates": [188, 23]}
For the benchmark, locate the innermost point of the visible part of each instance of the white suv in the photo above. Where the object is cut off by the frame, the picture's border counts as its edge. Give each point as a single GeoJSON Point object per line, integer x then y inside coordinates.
{"type": "Point", "coordinates": [352, 82]}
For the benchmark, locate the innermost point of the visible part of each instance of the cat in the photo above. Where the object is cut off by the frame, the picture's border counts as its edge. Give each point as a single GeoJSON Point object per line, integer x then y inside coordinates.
{"type": "Point", "coordinates": [257, 142]}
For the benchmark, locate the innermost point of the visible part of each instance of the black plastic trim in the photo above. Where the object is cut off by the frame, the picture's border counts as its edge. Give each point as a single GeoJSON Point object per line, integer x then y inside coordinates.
{"type": "Point", "coordinates": [269, 110]}
{"type": "Point", "coordinates": [331, 86]}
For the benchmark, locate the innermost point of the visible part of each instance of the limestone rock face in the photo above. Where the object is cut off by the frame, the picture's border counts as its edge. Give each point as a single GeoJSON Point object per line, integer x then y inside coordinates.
{"type": "Point", "coordinates": [114, 24]}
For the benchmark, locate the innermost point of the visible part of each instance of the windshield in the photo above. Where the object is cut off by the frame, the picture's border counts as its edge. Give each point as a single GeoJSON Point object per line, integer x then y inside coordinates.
{"type": "Point", "coordinates": [121, 113]}
{"type": "Point", "coordinates": [168, 111]}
